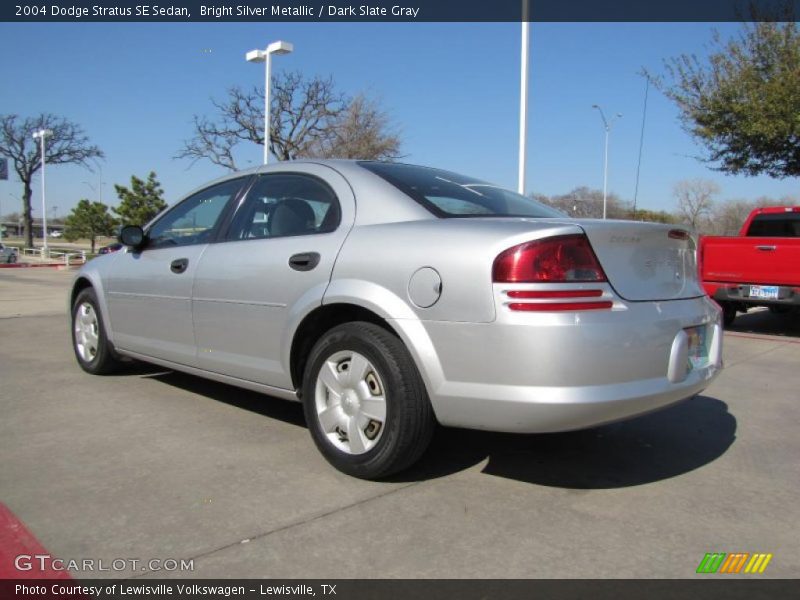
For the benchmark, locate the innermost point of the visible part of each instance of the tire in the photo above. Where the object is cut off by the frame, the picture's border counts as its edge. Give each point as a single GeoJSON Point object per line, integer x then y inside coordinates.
{"type": "Point", "coordinates": [780, 309]}
{"type": "Point", "coordinates": [93, 351]}
{"type": "Point", "coordinates": [12, 258]}
{"type": "Point", "coordinates": [365, 403]}
{"type": "Point", "coordinates": [728, 314]}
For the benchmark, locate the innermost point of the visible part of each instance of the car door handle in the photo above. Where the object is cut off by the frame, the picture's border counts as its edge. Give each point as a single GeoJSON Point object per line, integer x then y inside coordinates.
{"type": "Point", "coordinates": [305, 261]}
{"type": "Point", "coordinates": [767, 248]}
{"type": "Point", "coordinates": [179, 265]}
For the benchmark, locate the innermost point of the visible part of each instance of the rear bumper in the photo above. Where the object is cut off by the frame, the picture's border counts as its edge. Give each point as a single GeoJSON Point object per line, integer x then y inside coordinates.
{"type": "Point", "coordinates": [536, 373]}
{"type": "Point", "coordinates": [741, 293]}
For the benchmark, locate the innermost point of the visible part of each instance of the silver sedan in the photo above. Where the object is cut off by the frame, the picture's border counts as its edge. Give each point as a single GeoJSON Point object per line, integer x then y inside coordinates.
{"type": "Point", "coordinates": [389, 297]}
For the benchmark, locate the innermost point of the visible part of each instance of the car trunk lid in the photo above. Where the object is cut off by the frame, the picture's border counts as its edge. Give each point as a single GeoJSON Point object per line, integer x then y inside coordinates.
{"type": "Point", "coordinates": [645, 261]}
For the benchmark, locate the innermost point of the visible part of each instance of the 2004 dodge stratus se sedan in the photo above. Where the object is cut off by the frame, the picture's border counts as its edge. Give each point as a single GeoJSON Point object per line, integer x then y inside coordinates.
{"type": "Point", "coordinates": [387, 297]}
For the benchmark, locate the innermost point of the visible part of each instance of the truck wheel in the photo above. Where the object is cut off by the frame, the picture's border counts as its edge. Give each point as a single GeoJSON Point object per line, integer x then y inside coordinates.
{"type": "Point", "coordinates": [728, 314]}
{"type": "Point", "coordinates": [779, 309]}
{"type": "Point", "coordinates": [365, 403]}
{"type": "Point", "coordinates": [92, 348]}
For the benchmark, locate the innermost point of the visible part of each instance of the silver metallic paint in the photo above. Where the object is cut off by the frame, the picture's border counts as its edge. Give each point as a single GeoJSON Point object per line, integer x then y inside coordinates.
{"type": "Point", "coordinates": [484, 366]}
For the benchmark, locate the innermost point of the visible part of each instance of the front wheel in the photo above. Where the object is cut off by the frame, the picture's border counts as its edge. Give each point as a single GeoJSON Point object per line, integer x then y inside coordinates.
{"type": "Point", "coordinates": [92, 348]}
{"type": "Point", "coordinates": [365, 402]}
{"type": "Point", "coordinates": [12, 258]}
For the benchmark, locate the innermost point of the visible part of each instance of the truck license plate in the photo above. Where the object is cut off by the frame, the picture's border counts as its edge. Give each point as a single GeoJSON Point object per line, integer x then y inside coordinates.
{"type": "Point", "coordinates": [767, 292]}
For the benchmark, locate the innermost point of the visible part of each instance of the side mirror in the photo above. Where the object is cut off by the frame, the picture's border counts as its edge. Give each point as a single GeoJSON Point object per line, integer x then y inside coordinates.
{"type": "Point", "coordinates": [132, 235]}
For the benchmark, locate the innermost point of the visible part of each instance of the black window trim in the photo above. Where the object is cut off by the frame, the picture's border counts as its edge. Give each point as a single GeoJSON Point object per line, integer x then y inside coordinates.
{"type": "Point", "coordinates": [224, 235]}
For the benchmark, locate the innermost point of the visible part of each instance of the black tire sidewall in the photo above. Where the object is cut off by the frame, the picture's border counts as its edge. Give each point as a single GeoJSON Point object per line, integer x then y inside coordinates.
{"type": "Point", "coordinates": [104, 361]}
{"type": "Point", "coordinates": [382, 350]}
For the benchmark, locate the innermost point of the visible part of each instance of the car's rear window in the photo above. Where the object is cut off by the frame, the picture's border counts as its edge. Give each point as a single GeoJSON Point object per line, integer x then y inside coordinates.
{"type": "Point", "coordinates": [775, 225]}
{"type": "Point", "coordinates": [449, 195]}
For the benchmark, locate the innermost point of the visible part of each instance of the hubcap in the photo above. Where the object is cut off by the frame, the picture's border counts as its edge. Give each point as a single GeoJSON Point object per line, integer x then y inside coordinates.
{"type": "Point", "coordinates": [87, 337]}
{"type": "Point", "coordinates": [351, 402]}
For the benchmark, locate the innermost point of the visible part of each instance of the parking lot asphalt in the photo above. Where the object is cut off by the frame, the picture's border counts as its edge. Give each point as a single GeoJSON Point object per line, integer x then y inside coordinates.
{"type": "Point", "coordinates": [152, 464]}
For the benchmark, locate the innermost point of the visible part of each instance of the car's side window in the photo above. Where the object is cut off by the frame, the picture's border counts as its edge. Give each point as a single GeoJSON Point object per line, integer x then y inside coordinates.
{"type": "Point", "coordinates": [286, 204]}
{"type": "Point", "coordinates": [193, 220]}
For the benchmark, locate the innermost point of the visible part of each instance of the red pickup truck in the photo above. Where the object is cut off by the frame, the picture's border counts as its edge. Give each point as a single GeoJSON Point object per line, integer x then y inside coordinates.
{"type": "Point", "coordinates": [760, 267]}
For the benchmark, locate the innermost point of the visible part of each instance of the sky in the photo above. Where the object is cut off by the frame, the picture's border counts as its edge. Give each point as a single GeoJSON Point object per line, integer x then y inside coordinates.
{"type": "Point", "coordinates": [451, 89]}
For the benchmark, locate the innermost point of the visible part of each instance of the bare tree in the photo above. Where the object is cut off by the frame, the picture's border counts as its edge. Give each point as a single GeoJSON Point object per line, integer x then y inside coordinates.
{"type": "Point", "coordinates": [362, 130]}
{"type": "Point", "coordinates": [695, 199]}
{"type": "Point", "coordinates": [727, 217]}
{"type": "Point", "coordinates": [309, 118]}
{"type": "Point", "coordinates": [67, 145]}
{"type": "Point", "coordinates": [586, 203]}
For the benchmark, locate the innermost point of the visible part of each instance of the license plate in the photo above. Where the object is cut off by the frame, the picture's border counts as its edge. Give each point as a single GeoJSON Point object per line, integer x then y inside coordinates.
{"type": "Point", "coordinates": [768, 292]}
{"type": "Point", "coordinates": [698, 346]}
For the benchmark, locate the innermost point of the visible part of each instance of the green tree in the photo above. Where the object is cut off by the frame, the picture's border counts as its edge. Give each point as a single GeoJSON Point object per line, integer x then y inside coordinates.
{"type": "Point", "coordinates": [89, 220]}
{"type": "Point", "coordinates": [65, 144]}
{"type": "Point", "coordinates": [653, 216]}
{"type": "Point", "coordinates": [141, 202]}
{"type": "Point", "coordinates": [743, 103]}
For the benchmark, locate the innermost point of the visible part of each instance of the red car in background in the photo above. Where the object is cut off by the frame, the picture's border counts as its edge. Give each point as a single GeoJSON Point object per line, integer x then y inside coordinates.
{"type": "Point", "coordinates": [759, 267]}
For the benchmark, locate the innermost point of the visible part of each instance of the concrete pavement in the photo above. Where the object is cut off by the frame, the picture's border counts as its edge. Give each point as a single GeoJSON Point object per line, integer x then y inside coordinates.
{"type": "Point", "coordinates": [152, 464]}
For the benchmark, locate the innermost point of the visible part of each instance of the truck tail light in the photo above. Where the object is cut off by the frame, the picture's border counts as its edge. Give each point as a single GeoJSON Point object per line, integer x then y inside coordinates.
{"type": "Point", "coordinates": [559, 259]}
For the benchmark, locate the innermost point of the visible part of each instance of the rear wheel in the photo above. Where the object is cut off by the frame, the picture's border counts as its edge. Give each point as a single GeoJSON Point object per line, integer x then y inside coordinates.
{"type": "Point", "coordinates": [728, 313]}
{"type": "Point", "coordinates": [12, 258]}
{"type": "Point", "coordinates": [780, 309]}
{"type": "Point", "coordinates": [92, 348]}
{"type": "Point", "coordinates": [365, 402]}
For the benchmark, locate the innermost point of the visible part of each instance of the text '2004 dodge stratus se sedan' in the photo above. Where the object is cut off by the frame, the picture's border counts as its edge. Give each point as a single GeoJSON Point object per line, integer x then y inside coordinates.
{"type": "Point", "coordinates": [387, 297]}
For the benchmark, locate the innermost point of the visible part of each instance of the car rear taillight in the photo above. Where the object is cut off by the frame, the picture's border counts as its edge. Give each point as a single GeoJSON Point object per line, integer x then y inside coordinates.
{"type": "Point", "coordinates": [560, 259]}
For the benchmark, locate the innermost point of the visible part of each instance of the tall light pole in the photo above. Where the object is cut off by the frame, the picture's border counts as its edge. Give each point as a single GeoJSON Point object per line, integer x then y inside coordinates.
{"type": "Point", "coordinates": [265, 56]}
{"type": "Point", "coordinates": [40, 135]}
{"type": "Point", "coordinates": [523, 101]}
{"type": "Point", "coordinates": [91, 187]}
{"type": "Point", "coordinates": [607, 126]}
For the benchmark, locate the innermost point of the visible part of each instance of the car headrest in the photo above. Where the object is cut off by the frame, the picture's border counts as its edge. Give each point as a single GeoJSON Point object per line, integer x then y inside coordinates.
{"type": "Point", "coordinates": [291, 216]}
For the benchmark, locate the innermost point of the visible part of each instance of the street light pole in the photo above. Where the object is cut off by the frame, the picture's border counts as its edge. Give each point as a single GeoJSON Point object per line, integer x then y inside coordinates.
{"type": "Point", "coordinates": [265, 56]}
{"type": "Point", "coordinates": [40, 135]}
{"type": "Point", "coordinates": [607, 126]}
{"type": "Point", "coordinates": [523, 105]}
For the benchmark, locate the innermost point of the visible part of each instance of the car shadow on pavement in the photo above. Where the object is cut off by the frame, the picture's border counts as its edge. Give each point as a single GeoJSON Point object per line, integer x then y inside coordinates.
{"type": "Point", "coordinates": [766, 323]}
{"type": "Point", "coordinates": [266, 406]}
{"type": "Point", "coordinates": [653, 447]}
{"type": "Point", "coordinates": [657, 446]}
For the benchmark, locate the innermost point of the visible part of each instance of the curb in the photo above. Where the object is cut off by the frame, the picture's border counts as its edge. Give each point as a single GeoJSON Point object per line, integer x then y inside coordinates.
{"type": "Point", "coordinates": [16, 540]}
{"type": "Point", "coordinates": [37, 265]}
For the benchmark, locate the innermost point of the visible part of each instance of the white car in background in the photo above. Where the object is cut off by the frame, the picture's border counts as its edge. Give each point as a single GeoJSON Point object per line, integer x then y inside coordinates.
{"type": "Point", "coordinates": [7, 254]}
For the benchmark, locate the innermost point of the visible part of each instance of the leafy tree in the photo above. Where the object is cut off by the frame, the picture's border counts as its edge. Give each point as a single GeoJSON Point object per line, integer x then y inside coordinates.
{"type": "Point", "coordinates": [309, 118]}
{"type": "Point", "coordinates": [141, 202]}
{"type": "Point", "coordinates": [743, 103]}
{"type": "Point", "coordinates": [89, 220]}
{"type": "Point", "coordinates": [695, 200]}
{"type": "Point", "coordinates": [653, 216]}
{"type": "Point", "coordinates": [68, 144]}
